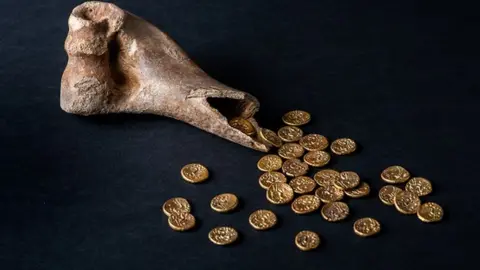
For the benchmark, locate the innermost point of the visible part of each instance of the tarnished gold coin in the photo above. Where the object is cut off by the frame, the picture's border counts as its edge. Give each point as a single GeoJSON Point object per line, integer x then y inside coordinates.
{"type": "Point", "coordinates": [395, 174]}
{"type": "Point", "coordinates": [296, 118]}
{"type": "Point", "coordinates": [302, 184]}
{"type": "Point", "coordinates": [182, 221]}
{"type": "Point", "coordinates": [361, 191]}
{"type": "Point", "coordinates": [224, 202]}
{"type": "Point", "coordinates": [243, 125]}
{"type": "Point", "coordinates": [366, 227]}
{"type": "Point", "coordinates": [347, 180]}
{"type": "Point", "coordinates": [291, 150]}
{"type": "Point", "coordinates": [305, 204]}
{"type": "Point", "coordinates": [307, 240]}
{"type": "Point", "coordinates": [223, 235]}
{"type": "Point", "coordinates": [194, 173]}
{"type": "Point", "coordinates": [329, 193]}
{"type": "Point", "coordinates": [335, 211]}
{"type": "Point", "coordinates": [419, 186]}
{"type": "Point", "coordinates": [314, 142]}
{"type": "Point", "coordinates": [317, 158]}
{"type": "Point", "coordinates": [326, 177]}
{"type": "Point", "coordinates": [268, 178]}
{"type": "Point", "coordinates": [406, 202]}
{"type": "Point", "coordinates": [269, 163]}
{"type": "Point", "coordinates": [290, 133]}
{"type": "Point", "coordinates": [270, 137]}
{"type": "Point", "coordinates": [262, 219]}
{"type": "Point", "coordinates": [430, 212]}
{"type": "Point", "coordinates": [294, 167]}
{"type": "Point", "coordinates": [280, 193]}
{"type": "Point", "coordinates": [387, 194]}
{"type": "Point", "coordinates": [175, 206]}
{"type": "Point", "coordinates": [343, 146]}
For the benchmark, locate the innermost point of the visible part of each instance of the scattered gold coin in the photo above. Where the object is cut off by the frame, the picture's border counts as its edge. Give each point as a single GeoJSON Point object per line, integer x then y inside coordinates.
{"type": "Point", "coordinates": [243, 125]}
{"type": "Point", "coordinates": [326, 177]}
{"type": "Point", "coordinates": [314, 142]}
{"type": "Point", "coordinates": [317, 158]}
{"type": "Point", "coordinates": [270, 137]}
{"type": "Point", "coordinates": [335, 211]}
{"type": "Point", "coordinates": [294, 167]}
{"type": "Point", "coordinates": [430, 212]}
{"type": "Point", "coordinates": [262, 219]}
{"type": "Point", "coordinates": [302, 184]}
{"type": "Point", "coordinates": [419, 186]}
{"type": "Point", "coordinates": [305, 204]}
{"type": "Point", "coordinates": [329, 193]}
{"type": "Point", "coordinates": [343, 146]}
{"type": "Point", "coordinates": [280, 193]}
{"type": "Point", "coordinates": [291, 150]}
{"type": "Point", "coordinates": [361, 191]}
{"type": "Point", "coordinates": [366, 227]}
{"type": "Point", "coordinates": [290, 133]}
{"type": "Point", "coordinates": [347, 180]}
{"type": "Point", "coordinates": [395, 175]}
{"type": "Point", "coordinates": [175, 206]}
{"type": "Point", "coordinates": [406, 202]}
{"type": "Point", "coordinates": [194, 173]}
{"type": "Point", "coordinates": [387, 194]}
{"type": "Point", "coordinates": [224, 202]}
{"type": "Point", "coordinates": [268, 178]}
{"type": "Point", "coordinates": [269, 163]}
{"type": "Point", "coordinates": [181, 221]}
{"type": "Point", "coordinates": [223, 235]}
{"type": "Point", "coordinates": [307, 240]}
{"type": "Point", "coordinates": [296, 118]}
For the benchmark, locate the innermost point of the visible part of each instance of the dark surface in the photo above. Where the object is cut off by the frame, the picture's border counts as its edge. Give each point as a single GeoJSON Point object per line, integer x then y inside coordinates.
{"type": "Point", "coordinates": [401, 79]}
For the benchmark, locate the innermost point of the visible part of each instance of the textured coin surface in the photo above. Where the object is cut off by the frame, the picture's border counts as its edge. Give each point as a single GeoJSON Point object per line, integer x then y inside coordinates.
{"type": "Point", "coordinates": [302, 184]}
{"type": "Point", "coordinates": [430, 212]}
{"type": "Point", "coordinates": [317, 158]}
{"type": "Point", "coordinates": [224, 202]}
{"type": "Point", "coordinates": [262, 219]}
{"type": "Point", "coordinates": [419, 186]}
{"type": "Point", "coordinates": [326, 177]}
{"type": "Point", "coordinates": [291, 150]}
{"type": "Point", "coordinates": [343, 146]}
{"type": "Point", "coordinates": [194, 173]}
{"type": "Point", "coordinates": [395, 174]}
{"type": "Point", "coordinates": [268, 178]}
{"type": "Point", "coordinates": [181, 221]}
{"type": "Point", "coordinates": [270, 137]}
{"type": "Point", "coordinates": [361, 191]}
{"type": "Point", "coordinates": [280, 193]}
{"type": "Point", "coordinates": [335, 211]}
{"type": "Point", "coordinates": [294, 167]}
{"type": "Point", "coordinates": [269, 163]}
{"type": "Point", "coordinates": [366, 227]}
{"type": "Point", "coordinates": [347, 180]}
{"type": "Point", "coordinates": [329, 193]}
{"type": "Point", "coordinates": [314, 142]}
{"type": "Point", "coordinates": [307, 240]}
{"type": "Point", "coordinates": [223, 235]}
{"type": "Point", "coordinates": [290, 133]}
{"type": "Point", "coordinates": [406, 202]}
{"type": "Point", "coordinates": [296, 118]}
{"type": "Point", "coordinates": [175, 206]}
{"type": "Point", "coordinates": [243, 125]}
{"type": "Point", "coordinates": [305, 204]}
{"type": "Point", "coordinates": [387, 194]}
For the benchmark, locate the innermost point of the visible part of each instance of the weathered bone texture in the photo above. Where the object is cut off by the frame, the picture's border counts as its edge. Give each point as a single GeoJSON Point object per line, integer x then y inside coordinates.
{"type": "Point", "coordinates": [118, 62]}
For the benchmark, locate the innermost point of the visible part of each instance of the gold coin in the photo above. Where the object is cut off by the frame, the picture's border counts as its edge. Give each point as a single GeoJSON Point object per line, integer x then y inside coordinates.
{"type": "Point", "coordinates": [361, 191]}
{"type": "Point", "coordinates": [335, 211]}
{"type": "Point", "coordinates": [387, 194]}
{"type": "Point", "coordinates": [329, 193]}
{"type": "Point", "coordinates": [175, 206]}
{"type": "Point", "coordinates": [347, 180]}
{"type": "Point", "coordinates": [268, 178]}
{"type": "Point", "coordinates": [305, 204]}
{"type": "Point", "coordinates": [296, 118]}
{"type": "Point", "coordinates": [224, 202]}
{"type": "Point", "coordinates": [395, 175]}
{"type": "Point", "coordinates": [406, 202]}
{"type": "Point", "coordinates": [262, 219]}
{"type": "Point", "coordinates": [269, 163]}
{"type": "Point", "coordinates": [343, 146]}
{"type": "Point", "coordinates": [317, 158]}
{"type": "Point", "coordinates": [366, 227]}
{"type": "Point", "coordinates": [194, 173]}
{"type": "Point", "coordinates": [314, 142]}
{"type": "Point", "coordinates": [430, 212]}
{"type": "Point", "coordinates": [181, 221]}
{"type": "Point", "coordinates": [270, 137]}
{"type": "Point", "coordinates": [326, 177]}
{"type": "Point", "coordinates": [294, 167]}
{"type": "Point", "coordinates": [307, 240]}
{"type": "Point", "coordinates": [280, 193]}
{"type": "Point", "coordinates": [223, 235]}
{"type": "Point", "coordinates": [243, 125]}
{"type": "Point", "coordinates": [291, 150]}
{"type": "Point", "coordinates": [419, 186]}
{"type": "Point", "coordinates": [290, 134]}
{"type": "Point", "coordinates": [302, 184]}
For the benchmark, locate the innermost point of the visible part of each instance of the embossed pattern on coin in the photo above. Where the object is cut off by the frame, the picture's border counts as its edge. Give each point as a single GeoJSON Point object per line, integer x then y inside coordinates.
{"type": "Point", "coordinates": [243, 125]}
{"type": "Point", "coordinates": [343, 146]}
{"type": "Point", "coordinates": [326, 177]}
{"type": "Point", "coordinates": [302, 184]}
{"type": "Point", "coordinates": [225, 202]}
{"type": "Point", "coordinates": [366, 227]}
{"type": "Point", "coordinates": [305, 204]}
{"type": "Point", "coordinates": [296, 118]}
{"type": "Point", "coordinates": [291, 150]}
{"type": "Point", "coordinates": [294, 167]}
{"type": "Point", "coordinates": [223, 235]}
{"type": "Point", "coordinates": [280, 193]}
{"type": "Point", "coordinates": [430, 212]}
{"type": "Point", "coordinates": [268, 178]}
{"type": "Point", "coordinates": [395, 175]}
{"type": "Point", "coordinates": [194, 173]}
{"type": "Point", "coordinates": [329, 193]}
{"type": "Point", "coordinates": [181, 221]}
{"type": "Point", "coordinates": [406, 202]}
{"type": "Point", "coordinates": [419, 186]}
{"type": "Point", "coordinates": [314, 142]}
{"type": "Point", "coordinates": [175, 206]}
{"type": "Point", "coordinates": [307, 240]}
{"type": "Point", "coordinates": [290, 133]}
{"type": "Point", "coordinates": [270, 137]}
{"type": "Point", "coordinates": [317, 158]}
{"type": "Point", "coordinates": [347, 180]}
{"type": "Point", "coordinates": [262, 219]}
{"type": "Point", "coordinates": [387, 194]}
{"type": "Point", "coordinates": [335, 211]}
{"type": "Point", "coordinates": [361, 191]}
{"type": "Point", "coordinates": [269, 163]}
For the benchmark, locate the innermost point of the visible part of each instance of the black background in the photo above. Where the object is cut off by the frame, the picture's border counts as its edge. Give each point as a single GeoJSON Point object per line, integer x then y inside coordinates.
{"type": "Point", "coordinates": [399, 78]}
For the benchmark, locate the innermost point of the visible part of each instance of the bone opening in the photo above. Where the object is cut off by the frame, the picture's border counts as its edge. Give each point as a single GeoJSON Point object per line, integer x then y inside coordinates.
{"type": "Point", "coordinates": [231, 108]}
